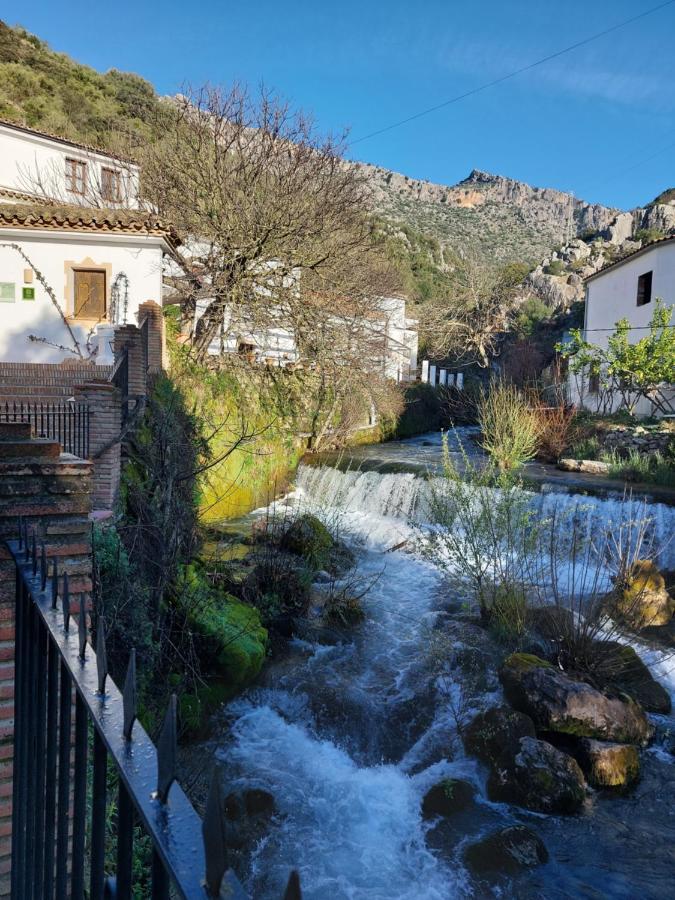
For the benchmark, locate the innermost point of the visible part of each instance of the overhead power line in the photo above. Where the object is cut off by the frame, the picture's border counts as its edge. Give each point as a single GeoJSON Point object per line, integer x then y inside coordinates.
{"type": "Point", "coordinates": [503, 78]}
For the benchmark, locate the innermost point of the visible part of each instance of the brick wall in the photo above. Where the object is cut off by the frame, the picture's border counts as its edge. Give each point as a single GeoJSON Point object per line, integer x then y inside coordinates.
{"type": "Point", "coordinates": [130, 338]}
{"type": "Point", "coordinates": [43, 382]}
{"type": "Point", "coordinates": [151, 313]}
{"type": "Point", "coordinates": [52, 492]}
{"type": "Point", "coordinates": [105, 423]}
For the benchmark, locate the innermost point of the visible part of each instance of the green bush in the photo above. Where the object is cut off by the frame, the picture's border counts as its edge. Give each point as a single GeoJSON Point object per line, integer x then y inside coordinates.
{"type": "Point", "coordinates": [556, 267]}
{"type": "Point", "coordinates": [651, 468]}
{"type": "Point", "coordinates": [586, 448]}
{"type": "Point", "coordinates": [533, 313]}
{"type": "Point", "coordinates": [510, 429]}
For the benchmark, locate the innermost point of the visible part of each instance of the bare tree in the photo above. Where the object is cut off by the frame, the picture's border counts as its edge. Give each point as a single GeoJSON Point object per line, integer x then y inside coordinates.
{"type": "Point", "coordinates": [469, 326]}
{"type": "Point", "coordinates": [280, 236]}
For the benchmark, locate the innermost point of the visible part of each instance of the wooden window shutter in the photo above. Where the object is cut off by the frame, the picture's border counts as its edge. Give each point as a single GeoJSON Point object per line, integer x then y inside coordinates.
{"type": "Point", "coordinates": [89, 294]}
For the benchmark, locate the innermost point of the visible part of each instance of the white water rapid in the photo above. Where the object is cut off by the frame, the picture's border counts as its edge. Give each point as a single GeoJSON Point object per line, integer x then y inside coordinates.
{"type": "Point", "coordinates": [349, 736]}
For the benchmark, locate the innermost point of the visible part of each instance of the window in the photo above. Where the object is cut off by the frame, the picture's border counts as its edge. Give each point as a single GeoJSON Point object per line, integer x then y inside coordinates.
{"type": "Point", "coordinates": [89, 294]}
{"type": "Point", "coordinates": [111, 185]}
{"type": "Point", "coordinates": [76, 176]}
{"type": "Point", "coordinates": [644, 290]}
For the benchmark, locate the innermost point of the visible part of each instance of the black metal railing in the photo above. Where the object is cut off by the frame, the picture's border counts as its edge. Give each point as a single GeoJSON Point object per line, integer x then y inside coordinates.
{"type": "Point", "coordinates": [73, 728]}
{"type": "Point", "coordinates": [120, 378]}
{"type": "Point", "coordinates": [66, 422]}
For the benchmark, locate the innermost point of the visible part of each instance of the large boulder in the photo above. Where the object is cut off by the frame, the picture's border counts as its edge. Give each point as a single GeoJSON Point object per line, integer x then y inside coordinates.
{"type": "Point", "coordinates": [642, 599]}
{"type": "Point", "coordinates": [447, 797]}
{"type": "Point", "coordinates": [619, 668]}
{"type": "Point", "coordinates": [538, 777]}
{"type": "Point", "coordinates": [496, 732]}
{"type": "Point", "coordinates": [308, 537]}
{"type": "Point", "coordinates": [248, 813]}
{"type": "Point", "coordinates": [556, 702]}
{"type": "Point", "coordinates": [609, 765]}
{"type": "Point", "coordinates": [509, 850]}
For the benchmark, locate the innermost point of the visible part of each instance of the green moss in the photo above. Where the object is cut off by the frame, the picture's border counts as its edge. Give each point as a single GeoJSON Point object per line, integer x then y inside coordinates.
{"type": "Point", "coordinates": [232, 639]}
{"type": "Point", "coordinates": [524, 662]}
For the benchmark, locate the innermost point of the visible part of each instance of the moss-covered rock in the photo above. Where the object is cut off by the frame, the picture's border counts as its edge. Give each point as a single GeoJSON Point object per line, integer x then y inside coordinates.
{"type": "Point", "coordinates": [609, 765]}
{"type": "Point", "coordinates": [308, 537]}
{"type": "Point", "coordinates": [507, 851]}
{"type": "Point", "coordinates": [538, 777]}
{"type": "Point", "coordinates": [555, 702]}
{"type": "Point", "coordinates": [619, 668]}
{"type": "Point", "coordinates": [231, 640]}
{"type": "Point", "coordinates": [447, 797]}
{"type": "Point", "coordinates": [495, 732]}
{"type": "Point", "coordinates": [643, 600]}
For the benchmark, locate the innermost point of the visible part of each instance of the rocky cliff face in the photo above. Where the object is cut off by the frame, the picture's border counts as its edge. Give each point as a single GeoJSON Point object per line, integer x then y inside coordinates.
{"type": "Point", "coordinates": [500, 218]}
{"type": "Point", "coordinates": [559, 278]}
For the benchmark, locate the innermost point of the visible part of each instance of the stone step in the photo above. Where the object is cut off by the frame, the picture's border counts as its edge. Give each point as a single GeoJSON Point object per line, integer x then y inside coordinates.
{"type": "Point", "coordinates": [15, 431]}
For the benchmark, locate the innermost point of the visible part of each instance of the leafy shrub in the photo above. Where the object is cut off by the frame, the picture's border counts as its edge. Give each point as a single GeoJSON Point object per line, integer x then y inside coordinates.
{"type": "Point", "coordinates": [531, 315]}
{"type": "Point", "coordinates": [585, 448]}
{"type": "Point", "coordinates": [647, 235]}
{"type": "Point", "coordinates": [652, 468]}
{"type": "Point", "coordinates": [510, 428]}
{"type": "Point", "coordinates": [555, 267]}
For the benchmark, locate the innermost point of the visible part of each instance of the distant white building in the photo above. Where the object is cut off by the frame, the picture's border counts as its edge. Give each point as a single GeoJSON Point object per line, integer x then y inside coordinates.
{"type": "Point", "coordinates": [76, 251]}
{"type": "Point", "coordinates": [627, 288]}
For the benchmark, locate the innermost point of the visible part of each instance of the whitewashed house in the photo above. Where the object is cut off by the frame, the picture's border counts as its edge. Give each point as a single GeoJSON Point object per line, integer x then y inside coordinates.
{"type": "Point", "coordinates": [627, 288]}
{"type": "Point", "coordinates": [77, 253]}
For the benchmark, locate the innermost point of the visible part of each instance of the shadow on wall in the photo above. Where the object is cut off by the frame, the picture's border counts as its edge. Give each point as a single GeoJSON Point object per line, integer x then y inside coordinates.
{"type": "Point", "coordinates": [16, 326]}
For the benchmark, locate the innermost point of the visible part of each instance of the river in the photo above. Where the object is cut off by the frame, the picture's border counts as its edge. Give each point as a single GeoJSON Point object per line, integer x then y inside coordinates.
{"type": "Point", "coordinates": [349, 736]}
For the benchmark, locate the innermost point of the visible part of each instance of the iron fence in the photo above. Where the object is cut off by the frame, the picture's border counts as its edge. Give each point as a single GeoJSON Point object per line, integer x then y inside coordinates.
{"type": "Point", "coordinates": [67, 422]}
{"type": "Point", "coordinates": [72, 727]}
{"type": "Point", "coordinates": [120, 378]}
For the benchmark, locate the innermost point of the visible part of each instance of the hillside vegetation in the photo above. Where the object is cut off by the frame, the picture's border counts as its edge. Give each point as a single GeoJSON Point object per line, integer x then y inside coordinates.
{"type": "Point", "coordinates": [50, 91]}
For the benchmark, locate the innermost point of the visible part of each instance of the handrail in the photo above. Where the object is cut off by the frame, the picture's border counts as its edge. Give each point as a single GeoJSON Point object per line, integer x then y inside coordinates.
{"type": "Point", "coordinates": [53, 657]}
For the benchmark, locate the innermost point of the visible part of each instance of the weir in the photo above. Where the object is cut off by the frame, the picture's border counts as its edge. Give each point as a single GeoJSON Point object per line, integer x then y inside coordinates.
{"type": "Point", "coordinates": [349, 735]}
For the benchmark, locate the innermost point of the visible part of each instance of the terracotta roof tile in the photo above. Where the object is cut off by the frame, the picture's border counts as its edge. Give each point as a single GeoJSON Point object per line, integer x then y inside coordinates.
{"type": "Point", "coordinates": [79, 218]}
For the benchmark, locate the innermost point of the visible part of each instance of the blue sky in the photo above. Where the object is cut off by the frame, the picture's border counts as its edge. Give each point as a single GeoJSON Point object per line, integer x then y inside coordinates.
{"type": "Point", "coordinates": [599, 121]}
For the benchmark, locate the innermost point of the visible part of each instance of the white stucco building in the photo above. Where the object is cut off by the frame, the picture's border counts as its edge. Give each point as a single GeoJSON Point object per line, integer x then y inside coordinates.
{"type": "Point", "coordinates": [35, 165]}
{"type": "Point", "coordinates": [81, 266]}
{"type": "Point", "coordinates": [627, 288]}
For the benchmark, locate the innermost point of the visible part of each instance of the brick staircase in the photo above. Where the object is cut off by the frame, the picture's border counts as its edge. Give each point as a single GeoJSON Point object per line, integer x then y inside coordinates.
{"type": "Point", "coordinates": [46, 383]}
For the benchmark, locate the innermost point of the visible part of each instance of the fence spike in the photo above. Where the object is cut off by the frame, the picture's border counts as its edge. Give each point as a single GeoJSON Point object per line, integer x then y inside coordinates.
{"type": "Point", "coordinates": [33, 552]}
{"type": "Point", "coordinates": [129, 696]}
{"type": "Point", "coordinates": [82, 627]}
{"type": "Point", "coordinates": [101, 656]}
{"type": "Point", "coordinates": [55, 583]}
{"type": "Point", "coordinates": [43, 568]}
{"type": "Point", "coordinates": [166, 753]}
{"type": "Point", "coordinates": [65, 602]}
{"type": "Point", "coordinates": [214, 837]}
{"type": "Point", "coordinates": [293, 891]}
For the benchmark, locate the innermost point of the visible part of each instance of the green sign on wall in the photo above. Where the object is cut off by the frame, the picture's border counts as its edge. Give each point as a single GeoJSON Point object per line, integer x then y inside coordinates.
{"type": "Point", "coordinates": [28, 293]}
{"type": "Point", "coordinates": [7, 292]}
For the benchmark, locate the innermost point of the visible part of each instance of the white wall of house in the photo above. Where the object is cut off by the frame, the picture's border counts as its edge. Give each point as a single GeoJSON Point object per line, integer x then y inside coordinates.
{"type": "Point", "coordinates": [612, 295]}
{"type": "Point", "coordinates": [35, 164]}
{"type": "Point", "coordinates": [55, 254]}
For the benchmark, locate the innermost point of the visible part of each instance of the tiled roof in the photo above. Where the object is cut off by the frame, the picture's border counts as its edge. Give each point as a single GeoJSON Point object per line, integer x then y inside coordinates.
{"type": "Point", "coordinates": [79, 218]}
{"type": "Point", "coordinates": [64, 140]}
{"type": "Point", "coordinates": [623, 259]}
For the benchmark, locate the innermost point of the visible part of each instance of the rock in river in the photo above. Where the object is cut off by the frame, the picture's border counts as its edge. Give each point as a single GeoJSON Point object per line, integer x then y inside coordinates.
{"type": "Point", "coordinates": [643, 600]}
{"type": "Point", "coordinates": [538, 777]}
{"type": "Point", "coordinates": [609, 765]}
{"type": "Point", "coordinates": [509, 851]}
{"type": "Point", "coordinates": [447, 797]}
{"type": "Point", "coordinates": [556, 702]}
{"type": "Point", "coordinates": [497, 731]}
{"type": "Point", "coordinates": [621, 669]}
